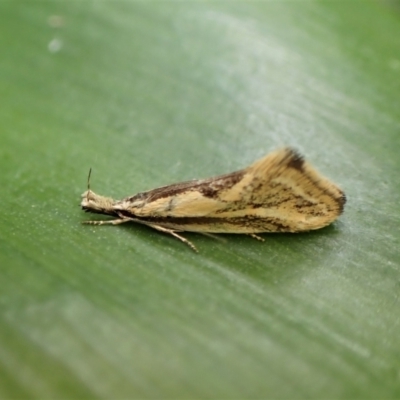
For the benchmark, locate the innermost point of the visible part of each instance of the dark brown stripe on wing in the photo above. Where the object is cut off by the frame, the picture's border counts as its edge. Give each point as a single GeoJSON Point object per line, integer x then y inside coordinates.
{"type": "Point", "coordinates": [207, 187]}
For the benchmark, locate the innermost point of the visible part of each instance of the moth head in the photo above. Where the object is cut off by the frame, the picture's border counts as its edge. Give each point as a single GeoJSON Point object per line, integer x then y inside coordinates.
{"type": "Point", "coordinates": [94, 203]}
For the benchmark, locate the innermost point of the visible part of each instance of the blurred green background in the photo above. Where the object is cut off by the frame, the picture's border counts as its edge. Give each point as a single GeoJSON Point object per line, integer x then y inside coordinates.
{"type": "Point", "coordinates": [149, 93]}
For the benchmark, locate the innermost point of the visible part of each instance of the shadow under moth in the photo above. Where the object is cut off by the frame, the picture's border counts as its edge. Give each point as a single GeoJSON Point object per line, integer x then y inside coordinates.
{"type": "Point", "coordinates": [278, 193]}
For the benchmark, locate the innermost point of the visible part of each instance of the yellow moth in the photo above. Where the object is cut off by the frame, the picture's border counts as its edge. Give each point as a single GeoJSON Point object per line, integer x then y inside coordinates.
{"type": "Point", "coordinates": [279, 193]}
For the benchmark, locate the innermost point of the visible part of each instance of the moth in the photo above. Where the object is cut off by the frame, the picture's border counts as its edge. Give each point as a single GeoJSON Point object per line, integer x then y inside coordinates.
{"type": "Point", "coordinates": [278, 193]}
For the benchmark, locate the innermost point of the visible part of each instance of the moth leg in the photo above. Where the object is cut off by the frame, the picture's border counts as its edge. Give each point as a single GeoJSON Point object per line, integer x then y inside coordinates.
{"type": "Point", "coordinates": [253, 235]}
{"type": "Point", "coordinates": [107, 222]}
{"type": "Point", "coordinates": [173, 233]}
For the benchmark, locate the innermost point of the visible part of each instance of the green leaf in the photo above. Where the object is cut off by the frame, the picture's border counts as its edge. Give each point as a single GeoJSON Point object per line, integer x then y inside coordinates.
{"type": "Point", "coordinates": [152, 93]}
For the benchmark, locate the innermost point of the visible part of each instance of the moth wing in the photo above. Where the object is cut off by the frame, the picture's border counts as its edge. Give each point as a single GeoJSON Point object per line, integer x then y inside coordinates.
{"type": "Point", "coordinates": [280, 192]}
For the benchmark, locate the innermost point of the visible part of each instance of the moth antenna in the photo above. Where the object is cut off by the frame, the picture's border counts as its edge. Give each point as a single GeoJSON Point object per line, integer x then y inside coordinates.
{"type": "Point", "coordinates": [88, 183]}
